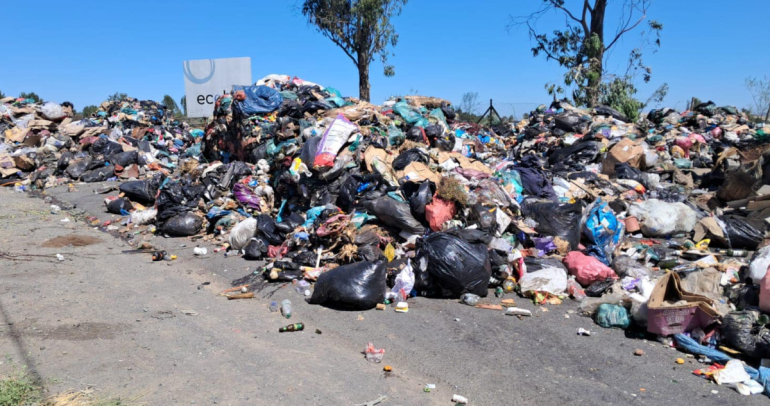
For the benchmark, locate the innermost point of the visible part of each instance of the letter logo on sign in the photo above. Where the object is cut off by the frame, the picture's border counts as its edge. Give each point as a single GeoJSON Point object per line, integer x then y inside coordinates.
{"type": "Point", "coordinates": [199, 81]}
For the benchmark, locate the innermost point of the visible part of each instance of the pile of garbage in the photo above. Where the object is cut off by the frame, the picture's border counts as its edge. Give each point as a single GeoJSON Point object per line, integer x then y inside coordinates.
{"type": "Point", "coordinates": [657, 226]}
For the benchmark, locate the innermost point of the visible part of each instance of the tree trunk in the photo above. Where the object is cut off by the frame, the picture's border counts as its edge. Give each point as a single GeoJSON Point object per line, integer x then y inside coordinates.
{"type": "Point", "coordinates": [363, 77]}
{"type": "Point", "coordinates": [597, 62]}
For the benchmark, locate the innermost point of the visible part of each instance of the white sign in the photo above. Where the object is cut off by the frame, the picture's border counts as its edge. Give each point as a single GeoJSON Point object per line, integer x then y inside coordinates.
{"type": "Point", "coordinates": [205, 79]}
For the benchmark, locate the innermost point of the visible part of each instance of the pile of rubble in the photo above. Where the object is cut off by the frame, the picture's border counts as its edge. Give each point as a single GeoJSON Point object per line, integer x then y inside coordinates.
{"type": "Point", "coordinates": [650, 225]}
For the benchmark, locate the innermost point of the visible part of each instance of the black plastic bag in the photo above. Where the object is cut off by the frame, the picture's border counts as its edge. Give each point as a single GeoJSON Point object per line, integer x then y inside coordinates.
{"type": "Point", "coordinates": [142, 191]}
{"type": "Point", "coordinates": [419, 198]}
{"type": "Point", "coordinates": [535, 264]}
{"type": "Point", "coordinates": [104, 146]}
{"type": "Point", "coordinates": [579, 152]}
{"type": "Point", "coordinates": [371, 252]}
{"type": "Point", "coordinates": [448, 111]}
{"type": "Point", "coordinates": [255, 249]}
{"type": "Point", "coordinates": [454, 265]}
{"type": "Point", "coordinates": [743, 295]}
{"type": "Point", "coordinates": [395, 214]}
{"type": "Point", "coordinates": [99, 174]}
{"type": "Point", "coordinates": [598, 288]}
{"type": "Point", "coordinates": [571, 122]}
{"type": "Point", "coordinates": [609, 111]}
{"type": "Point", "coordinates": [124, 158]}
{"type": "Point", "coordinates": [740, 233]}
{"type": "Point", "coordinates": [266, 228]}
{"type": "Point", "coordinates": [409, 156]}
{"type": "Point", "coordinates": [416, 134]}
{"type": "Point", "coordinates": [182, 225]}
{"type": "Point", "coordinates": [741, 332]}
{"type": "Point", "coordinates": [484, 217]}
{"type": "Point", "coordinates": [626, 171]}
{"type": "Point", "coordinates": [116, 206]}
{"type": "Point", "coordinates": [173, 201]}
{"type": "Point", "coordinates": [433, 131]}
{"type": "Point", "coordinates": [64, 161]}
{"type": "Point", "coordinates": [358, 286]}
{"type": "Point", "coordinates": [471, 235]}
{"type": "Point", "coordinates": [77, 168]}
{"type": "Point", "coordinates": [556, 219]}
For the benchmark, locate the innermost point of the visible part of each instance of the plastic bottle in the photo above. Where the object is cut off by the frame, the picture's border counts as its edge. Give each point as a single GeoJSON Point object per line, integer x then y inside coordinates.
{"type": "Point", "coordinates": [303, 288]}
{"type": "Point", "coordinates": [575, 290]}
{"type": "Point", "coordinates": [509, 285]}
{"type": "Point", "coordinates": [470, 299]}
{"type": "Point", "coordinates": [286, 308]}
{"type": "Point", "coordinates": [273, 306]}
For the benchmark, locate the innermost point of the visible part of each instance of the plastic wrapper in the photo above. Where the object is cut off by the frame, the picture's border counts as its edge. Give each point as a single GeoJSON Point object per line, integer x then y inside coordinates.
{"type": "Point", "coordinates": [656, 217]}
{"type": "Point", "coordinates": [335, 136]}
{"type": "Point", "coordinates": [548, 279]}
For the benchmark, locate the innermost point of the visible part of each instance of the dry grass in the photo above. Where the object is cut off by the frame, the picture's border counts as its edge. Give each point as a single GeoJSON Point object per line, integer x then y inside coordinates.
{"type": "Point", "coordinates": [452, 190]}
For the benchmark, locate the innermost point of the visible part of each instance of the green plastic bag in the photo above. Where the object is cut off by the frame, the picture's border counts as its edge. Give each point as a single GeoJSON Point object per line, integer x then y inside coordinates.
{"type": "Point", "coordinates": [610, 315]}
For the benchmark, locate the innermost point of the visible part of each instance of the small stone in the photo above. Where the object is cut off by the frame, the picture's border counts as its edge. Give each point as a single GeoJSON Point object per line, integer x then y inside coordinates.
{"type": "Point", "coordinates": [638, 353]}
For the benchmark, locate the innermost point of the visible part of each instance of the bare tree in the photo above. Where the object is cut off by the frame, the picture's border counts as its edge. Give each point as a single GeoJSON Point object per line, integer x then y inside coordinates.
{"type": "Point", "coordinates": [760, 93]}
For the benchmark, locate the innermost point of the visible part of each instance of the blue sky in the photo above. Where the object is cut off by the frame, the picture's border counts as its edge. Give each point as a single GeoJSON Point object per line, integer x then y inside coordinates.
{"type": "Point", "coordinates": [84, 50]}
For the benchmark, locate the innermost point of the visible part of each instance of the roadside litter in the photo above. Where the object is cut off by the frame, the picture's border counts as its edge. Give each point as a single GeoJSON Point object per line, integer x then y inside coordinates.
{"type": "Point", "coordinates": [658, 226]}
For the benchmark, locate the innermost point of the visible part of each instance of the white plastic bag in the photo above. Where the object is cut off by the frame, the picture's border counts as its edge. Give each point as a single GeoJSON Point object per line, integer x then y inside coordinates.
{"type": "Point", "coordinates": [52, 111]}
{"type": "Point", "coordinates": [404, 280]}
{"type": "Point", "coordinates": [759, 264]}
{"type": "Point", "coordinates": [140, 217]}
{"type": "Point", "coordinates": [549, 279]}
{"type": "Point", "coordinates": [242, 233]}
{"type": "Point", "coordinates": [660, 219]}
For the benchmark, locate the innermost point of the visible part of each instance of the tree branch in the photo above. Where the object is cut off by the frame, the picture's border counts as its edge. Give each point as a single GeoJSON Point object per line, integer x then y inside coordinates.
{"type": "Point", "coordinates": [623, 31]}
{"type": "Point", "coordinates": [555, 4]}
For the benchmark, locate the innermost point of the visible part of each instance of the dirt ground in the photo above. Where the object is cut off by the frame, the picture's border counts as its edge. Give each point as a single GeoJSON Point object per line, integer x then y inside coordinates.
{"type": "Point", "coordinates": [112, 320]}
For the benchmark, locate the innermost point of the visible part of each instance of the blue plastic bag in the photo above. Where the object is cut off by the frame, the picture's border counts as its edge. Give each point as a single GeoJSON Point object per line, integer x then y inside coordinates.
{"type": "Point", "coordinates": [610, 315]}
{"type": "Point", "coordinates": [259, 100]}
{"type": "Point", "coordinates": [603, 230]}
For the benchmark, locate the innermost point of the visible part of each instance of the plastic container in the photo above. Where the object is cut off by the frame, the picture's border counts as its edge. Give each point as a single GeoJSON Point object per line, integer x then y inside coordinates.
{"type": "Point", "coordinates": [286, 308]}
{"type": "Point", "coordinates": [273, 306]}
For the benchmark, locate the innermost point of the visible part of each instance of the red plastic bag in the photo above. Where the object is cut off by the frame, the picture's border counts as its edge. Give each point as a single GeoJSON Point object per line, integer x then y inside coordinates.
{"type": "Point", "coordinates": [438, 212]}
{"type": "Point", "coordinates": [587, 269]}
{"type": "Point", "coordinates": [373, 354]}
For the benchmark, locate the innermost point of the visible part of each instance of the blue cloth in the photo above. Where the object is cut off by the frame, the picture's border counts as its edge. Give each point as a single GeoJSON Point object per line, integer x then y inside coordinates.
{"type": "Point", "coordinates": [761, 375]}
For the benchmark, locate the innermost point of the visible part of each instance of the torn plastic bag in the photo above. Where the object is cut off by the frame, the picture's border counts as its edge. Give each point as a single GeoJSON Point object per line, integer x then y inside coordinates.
{"type": "Point", "coordinates": [183, 225]}
{"type": "Point", "coordinates": [742, 332]}
{"type": "Point", "coordinates": [104, 146]}
{"type": "Point", "coordinates": [625, 171]}
{"type": "Point", "coordinates": [395, 214]}
{"type": "Point", "coordinates": [335, 136]}
{"type": "Point", "coordinates": [241, 233]}
{"type": "Point", "coordinates": [124, 158]}
{"type": "Point", "coordinates": [598, 288]}
{"type": "Point", "coordinates": [548, 279]}
{"type": "Point", "coordinates": [142, 191]}
{"type": "Point", "coordinates": [246, 196]}
{"type": "Point", "coordinates": [98, 175]}
{"type": "Point", "coordinates": [624, 265]}
{"type": "Point", "coordinates": [419, 195]}
{"type": "Point", "coordinates": [656, 217]}
{"type": "Point", "coordinates": [411, 155]}
{"type": "Point", "coordinates": [484, 217]}
{"type": "Point", "coordinates": [743, 295]}
{"type": "Point", "coordinates": [358, 286]}
{"type": "Point", "coordinates": [603, 230]}
{"type": "Point", "coordinates": [118, 206]}
{"type": "Point", "coordinates": [256, 100]}
{"type": "Point", "coordinates": [741, 232]}
{"type": "Point", "coordinates": [267, 228]}
{"type": "Point", "coordinates": [77, 168]}
{"type": "Point", "coordinates": [609, 111]}
{"type": "Point", "coordinates": [417, 134]}
{"type": "Point", "coordinates": [255, 249]}
{"type": "Point", "coordinates": [578, 153]}
{"type": "Point", "coordinates": [610, 315]}
{"type": "Point", "coordinates": [759, 265]}
{"type": "Point", "coordinates": [454, 265]}
{"type": "Point", "coordinates": [587, 269]}
{"type": "Point", "coordinates": [572, 122]}
{"type": "Point", "coordinates": [555, 219]}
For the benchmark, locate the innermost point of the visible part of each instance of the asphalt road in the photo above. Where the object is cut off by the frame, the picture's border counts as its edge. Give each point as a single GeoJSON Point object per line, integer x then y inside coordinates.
{"type": "Point", "coordinates": [114, 321]}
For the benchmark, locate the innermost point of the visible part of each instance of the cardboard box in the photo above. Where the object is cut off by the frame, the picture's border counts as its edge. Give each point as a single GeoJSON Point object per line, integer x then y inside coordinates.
{"type": "Point", "coordinates": [671, 310]}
